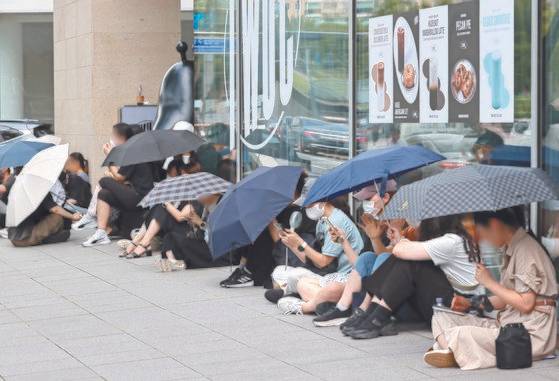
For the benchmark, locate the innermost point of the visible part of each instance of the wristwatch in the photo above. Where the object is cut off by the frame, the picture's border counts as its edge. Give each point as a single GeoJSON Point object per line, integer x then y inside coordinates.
{"type": "Point", "coordinates": [302, 247]}
{"type": "Point", "coordinates": [203, 226]}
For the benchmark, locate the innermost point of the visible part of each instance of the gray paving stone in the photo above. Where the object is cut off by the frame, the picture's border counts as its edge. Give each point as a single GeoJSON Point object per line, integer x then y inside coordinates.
{"type": "Point", "coordinates": [39, 367]}
{"type": "Point", "coordinates": [149, 370]}
{"type": "Point", "coordinates": [81, 373]}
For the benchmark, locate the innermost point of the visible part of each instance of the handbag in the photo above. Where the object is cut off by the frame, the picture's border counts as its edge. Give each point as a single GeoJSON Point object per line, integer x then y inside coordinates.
{"type": "Point", "coordinates": [513, 347]}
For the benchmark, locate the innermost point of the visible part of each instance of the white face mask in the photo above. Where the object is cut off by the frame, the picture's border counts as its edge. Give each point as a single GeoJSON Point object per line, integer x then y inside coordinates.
{"type": "Point", "coordinates": [315, 212]}
{"type": "Point", "coordinates": [369, 207]}
{"type": "Point", "coordinates": [186, 159]}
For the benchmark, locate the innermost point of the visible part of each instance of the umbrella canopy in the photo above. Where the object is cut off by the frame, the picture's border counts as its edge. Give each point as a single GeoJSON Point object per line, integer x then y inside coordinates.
{"type": "Point", "coordinates": [16, 154]}
{"type": "Point", "coordinates": [153, 146]}
{"type": "Point", "coordinates": [34, 182]}
{"type": "Point", "coordinates": [249, 206]}
{"type": "Point", "coordinates": [472, 188]}
{"type": "Point", "coordinates": [185, 188]}
{"type": "Point", "coordinates": [504, 154]}
{"type": "Point", "coordinates": [369, 167]}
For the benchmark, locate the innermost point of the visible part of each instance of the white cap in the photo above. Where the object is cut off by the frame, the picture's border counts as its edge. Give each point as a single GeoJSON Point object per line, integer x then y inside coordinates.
{"type": "Point", "coordinates": [183, 126]}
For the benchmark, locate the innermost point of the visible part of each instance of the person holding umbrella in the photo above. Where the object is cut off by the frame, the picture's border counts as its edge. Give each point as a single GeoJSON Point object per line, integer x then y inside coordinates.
{"type": "Point", "coordinates": [526, 294]}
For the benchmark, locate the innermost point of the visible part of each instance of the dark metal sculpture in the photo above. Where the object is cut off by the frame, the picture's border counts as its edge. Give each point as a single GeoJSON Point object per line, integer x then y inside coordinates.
{"type": "Point", "coordinates": [176, 97]}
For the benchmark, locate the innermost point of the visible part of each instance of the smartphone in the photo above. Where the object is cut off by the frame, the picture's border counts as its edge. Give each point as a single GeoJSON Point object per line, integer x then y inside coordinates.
{"type": "Point", "coordinates": [332, 226]}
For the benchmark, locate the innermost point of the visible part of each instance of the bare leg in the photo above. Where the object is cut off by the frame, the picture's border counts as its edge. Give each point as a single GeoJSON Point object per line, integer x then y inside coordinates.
{"type": "Point", "coordinates": [145, 241]}
{"type": "Point", "coordinates": [313, 294]}
{"type": "Point", "coordinates": [103, 215]}
{"type": "Point", "coordinates": [353, 285]}
{"type": "Point", "coordinates": [381, 303]}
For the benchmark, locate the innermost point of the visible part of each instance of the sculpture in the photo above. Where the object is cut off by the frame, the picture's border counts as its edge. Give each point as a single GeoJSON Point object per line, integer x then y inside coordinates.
{"type": "Point", "coordinates": [176, 96]}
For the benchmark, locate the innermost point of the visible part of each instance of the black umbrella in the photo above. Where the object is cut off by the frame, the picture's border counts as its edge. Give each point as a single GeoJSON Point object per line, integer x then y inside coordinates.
{"type": "Point", "coordinates": [153, 146]}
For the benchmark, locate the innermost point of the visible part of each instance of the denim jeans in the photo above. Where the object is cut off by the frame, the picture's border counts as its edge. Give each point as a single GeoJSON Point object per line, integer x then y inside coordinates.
{"type": "Point", "coordinates": [368, 262]}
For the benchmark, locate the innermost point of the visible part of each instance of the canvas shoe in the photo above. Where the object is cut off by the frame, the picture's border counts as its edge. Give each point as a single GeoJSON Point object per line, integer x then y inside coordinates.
{"type": "Point", "coordinates": [100, 237]}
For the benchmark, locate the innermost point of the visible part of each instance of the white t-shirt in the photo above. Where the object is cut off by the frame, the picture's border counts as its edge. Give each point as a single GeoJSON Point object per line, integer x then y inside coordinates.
{"type": "Point", "coordinates": [449, 254]}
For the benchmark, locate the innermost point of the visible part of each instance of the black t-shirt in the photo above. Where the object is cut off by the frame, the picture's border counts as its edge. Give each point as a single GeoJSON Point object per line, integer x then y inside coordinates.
{"type": "Point", "coordinates": [8, 184]}
{"type": "Point", "coordinates": [140, 176]}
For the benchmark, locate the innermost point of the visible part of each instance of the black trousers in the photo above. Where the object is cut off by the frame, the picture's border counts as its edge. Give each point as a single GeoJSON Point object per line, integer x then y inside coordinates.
{"type": "Point", "coordinates": [194, 252]}
{"type": "Point", "coordinates": [260, 259]}
{"type": "Point", "coordinates": [118, 195]}
{"type": "Point", "coordinates": [418, 282]}
{"type": "Point", "coordinates": [167, 223]}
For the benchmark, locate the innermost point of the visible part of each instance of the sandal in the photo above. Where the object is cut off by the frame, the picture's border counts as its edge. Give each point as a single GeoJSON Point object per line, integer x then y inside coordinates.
{"type": "Point", "coordinates": [145, 253]}
{"type": "Point", "coordinates": [176, 265]}
{"type": "Point", "coordinates": [125, 252]}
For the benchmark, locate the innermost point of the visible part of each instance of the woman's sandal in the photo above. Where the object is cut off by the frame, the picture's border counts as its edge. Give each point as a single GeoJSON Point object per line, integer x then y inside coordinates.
{"type": "Point", "coordinates": [145, 253]}
{"type": "Point", "coordinates": [125, 252]}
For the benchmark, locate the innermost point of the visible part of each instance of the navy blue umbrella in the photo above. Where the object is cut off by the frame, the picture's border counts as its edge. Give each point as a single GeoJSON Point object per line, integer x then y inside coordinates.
{"type": "Point", "coordinates": [249, 206]}
{"type": "Point", "coordinates": [511, 155]}
{"type": "Point", "coordinates": [17, 154]}
{"type": "Point", "coordinates": [367, 168]}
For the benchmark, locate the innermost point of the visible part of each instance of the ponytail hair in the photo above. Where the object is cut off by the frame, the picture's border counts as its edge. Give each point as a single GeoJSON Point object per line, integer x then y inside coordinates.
{"type": "Point", "coordinates": [82, 161]}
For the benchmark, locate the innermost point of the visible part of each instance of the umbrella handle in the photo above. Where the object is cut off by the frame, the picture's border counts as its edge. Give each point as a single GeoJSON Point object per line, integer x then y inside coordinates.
{"type": "Point", "coordinates": [286, 257]}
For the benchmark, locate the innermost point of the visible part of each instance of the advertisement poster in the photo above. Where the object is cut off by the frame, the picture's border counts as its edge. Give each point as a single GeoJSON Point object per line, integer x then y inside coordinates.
{"type": "Point", "coordinates": [433, 53]}
{"type": "Point", "coordinates": [496, 61]}
{"type": "Point", "coordinates": [464, 62]}
{"type": "Point", "coordinates": [381, 81]}
{"type": "Point", "coordinates": [406, 67]}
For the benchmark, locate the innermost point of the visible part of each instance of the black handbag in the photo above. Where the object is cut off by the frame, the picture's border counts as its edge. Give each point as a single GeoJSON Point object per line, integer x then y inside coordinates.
{"type": "Point", "coordinates": [513, 347]}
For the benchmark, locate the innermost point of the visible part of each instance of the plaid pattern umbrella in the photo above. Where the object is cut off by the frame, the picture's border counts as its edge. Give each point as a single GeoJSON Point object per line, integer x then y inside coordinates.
{"type": "Point", "coordinates": [185, 188]}
{"type": "Point", "coordinates": [472, 188]}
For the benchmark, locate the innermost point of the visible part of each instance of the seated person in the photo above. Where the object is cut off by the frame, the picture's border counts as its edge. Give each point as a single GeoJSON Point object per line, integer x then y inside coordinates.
{"type": "Point", "coordinates": [120, 133]}
{"type": "Point", "coordinates": [526, 294]}
{"type": "Point", "coordinates": [441, 263]}
{"type": "Point", "coordinates": [181, 249]}
{"type": "Point", "coordinates": [334, 260]}
{"type": "Point", "coordinates": [44, 225]}
{"type": "Point", "coordinates": [7, 180]}
{"type": "Point", "coordinates": [122, 189]}
{"type": "Point", "coordinates": [256, 260]}
{"type": "Point", "coordinates": [78, 165]}
{"type": "Point", "coordinates": [383, 237]}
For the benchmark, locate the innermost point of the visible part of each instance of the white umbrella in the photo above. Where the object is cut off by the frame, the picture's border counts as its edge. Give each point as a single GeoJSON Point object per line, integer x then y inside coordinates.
{"type": "Point", "coordinates": [52, 139]}
{"type": "Point", "coordinates": [34, 183]}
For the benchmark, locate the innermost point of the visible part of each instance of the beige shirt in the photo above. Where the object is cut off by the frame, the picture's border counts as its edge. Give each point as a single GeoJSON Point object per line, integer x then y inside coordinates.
{"type": "Point", "coordinates": [527, 267]}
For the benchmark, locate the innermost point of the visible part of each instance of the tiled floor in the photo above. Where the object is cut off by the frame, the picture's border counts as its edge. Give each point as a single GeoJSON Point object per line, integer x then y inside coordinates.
{"type": "Point", "coordinates": [71, 313]}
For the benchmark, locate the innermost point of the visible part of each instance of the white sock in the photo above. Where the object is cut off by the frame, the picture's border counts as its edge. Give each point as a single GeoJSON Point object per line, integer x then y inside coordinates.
{"type": "Point", "coordinates": [341, 307]}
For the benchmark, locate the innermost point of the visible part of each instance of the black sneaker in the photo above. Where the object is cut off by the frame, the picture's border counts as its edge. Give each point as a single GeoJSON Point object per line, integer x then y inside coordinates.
{"type": "Point", "coordinates": [324, 308]}
{"type": "Point", "coordinates": [332, 318]}
{"type": "Point", "coordinates": [274, 295]}
{"type": "Point", "coordinates": [373, 328]}
{"type": "Point", "coordinates": [241, 277]}
{"type": "Point", "coordinates": [352, 321]}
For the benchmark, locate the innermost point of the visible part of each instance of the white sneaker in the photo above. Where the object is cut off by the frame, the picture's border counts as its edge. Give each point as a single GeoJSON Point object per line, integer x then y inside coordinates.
{"type": "Point", "coordinates": [291, 305]}
{"type": "Point", "coordinates": [86, 222]}
{"type": "Point", "coordinates": [4, 233]}
{"type": "Point", "coordinates": [100, 237]}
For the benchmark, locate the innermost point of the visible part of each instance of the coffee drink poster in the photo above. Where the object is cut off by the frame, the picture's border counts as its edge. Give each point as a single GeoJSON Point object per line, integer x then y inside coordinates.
{"type": "Point", "coordinates": [496, 61]}
{"type": "Point", "coordinates": [433, 62]}
{"type": "Point", "coordinates": [463, 62]}
{"type": "Point", "coordinates": [406, 67]}
{"type": "Point", "coordinates": [381, 83]}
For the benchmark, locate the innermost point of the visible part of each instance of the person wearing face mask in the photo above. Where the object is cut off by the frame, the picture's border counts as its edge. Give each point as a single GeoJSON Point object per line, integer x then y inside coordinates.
{"type": "Point", "coordinates": [329, 264]}
{"type": "Point", "coordinates": [383, 237]}
{"type": "Point", "coordinates": [526, 294]}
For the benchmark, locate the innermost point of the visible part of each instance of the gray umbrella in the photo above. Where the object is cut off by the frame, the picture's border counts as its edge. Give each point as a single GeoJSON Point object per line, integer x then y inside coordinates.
{"type": "Point", "coordinates": [153, 146]}
{"type": "Point", "coordinates": [472, 188]}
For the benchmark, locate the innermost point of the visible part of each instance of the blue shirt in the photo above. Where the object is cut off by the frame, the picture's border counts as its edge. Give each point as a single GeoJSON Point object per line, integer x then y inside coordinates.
{"type": "Point", "coordinates": [333, 249]}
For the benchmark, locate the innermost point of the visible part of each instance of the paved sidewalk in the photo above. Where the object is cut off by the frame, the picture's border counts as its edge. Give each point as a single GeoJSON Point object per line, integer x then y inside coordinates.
{"type": "Point", "coordinates": [71, 313]}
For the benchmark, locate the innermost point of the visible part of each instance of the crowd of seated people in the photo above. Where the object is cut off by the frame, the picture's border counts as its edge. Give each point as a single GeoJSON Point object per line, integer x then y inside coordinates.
{"type": "Point", "coordinates": [363, 277]}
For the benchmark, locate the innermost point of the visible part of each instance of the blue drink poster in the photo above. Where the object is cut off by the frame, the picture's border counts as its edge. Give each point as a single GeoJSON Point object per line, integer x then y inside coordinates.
{"type": "Point", "coordinates": [496, 61]}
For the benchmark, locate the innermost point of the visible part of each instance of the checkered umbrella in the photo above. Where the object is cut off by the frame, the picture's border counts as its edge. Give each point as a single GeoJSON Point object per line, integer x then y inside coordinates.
{"type": "Point", "coordinates": [472, 188]}
{"type": "Point", "coordinates": [185, 188]}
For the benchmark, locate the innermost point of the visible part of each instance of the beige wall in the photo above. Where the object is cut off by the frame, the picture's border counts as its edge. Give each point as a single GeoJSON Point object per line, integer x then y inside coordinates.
{"type": "Point", "coordinates": [103, 50]}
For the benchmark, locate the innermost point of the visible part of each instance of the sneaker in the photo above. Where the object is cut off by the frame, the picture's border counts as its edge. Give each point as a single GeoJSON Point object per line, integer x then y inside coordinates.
{"type": "Point", "coordinates": [4, 233]}
{"type": "Point", "coordinates": [324, 308]}
{"type": "Point", "coordinates": [100, 237]}
{"type": "Point", "coordinates": [86, 222]}
{"type": "Point", "coordinates": [332, 318]}
{"type": "Point", "coordinates": [241, 277]}
{"type": "Point", "coordinates": [440, 358]}
{"type": "Point", "coordinates": [352, 321]}
{"type": "Point", "coordinates": [274, 295]}
{"type": "Point", "coordinates": [290, 305]}
{"type": "Point", "coordinates": [373, 328]}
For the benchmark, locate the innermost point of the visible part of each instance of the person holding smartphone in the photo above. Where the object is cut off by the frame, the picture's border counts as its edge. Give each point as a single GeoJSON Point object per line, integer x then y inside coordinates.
{"type": "Point", "coordinates": [329, 262]}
